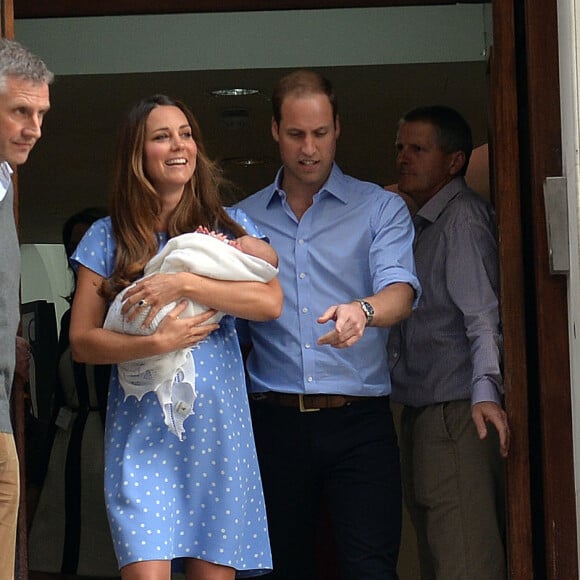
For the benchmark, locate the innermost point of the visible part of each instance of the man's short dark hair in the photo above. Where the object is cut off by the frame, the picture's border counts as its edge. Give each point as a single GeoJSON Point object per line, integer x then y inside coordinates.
{"type": "Point", "coordinates": [453, 133]}
{"type": "Point", "coordinates": [299, 83]}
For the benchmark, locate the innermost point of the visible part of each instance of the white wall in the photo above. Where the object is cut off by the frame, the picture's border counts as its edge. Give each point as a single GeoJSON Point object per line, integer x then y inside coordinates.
{"type": "Point", "coordinates": [260, 39]}
{"type": "Point", "coordinates": [568, 32]}
{"type": "Point", "coordinates": [45, 276]}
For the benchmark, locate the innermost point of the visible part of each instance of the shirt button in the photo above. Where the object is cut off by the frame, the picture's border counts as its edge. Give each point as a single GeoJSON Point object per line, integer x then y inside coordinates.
{"type": "Point", "coordinates": [302, 275]}
{"type": "Point", "coordinates": [301, 242]}
{"type": "Point", "coordinates": [310, 379]}
{"type": "Point", "coordinates": [304, 310]}
{"type": "Point", "coordinates": [307, 345]}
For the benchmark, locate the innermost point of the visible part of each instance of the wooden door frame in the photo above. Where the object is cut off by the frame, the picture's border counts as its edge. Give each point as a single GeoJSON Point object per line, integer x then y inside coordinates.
{"type": "Point", "coordinates": [526, 148]}
{"type": "Point", "coordinates": [506, 196]}
{"type": "Point", "coordinates": [549, 378]}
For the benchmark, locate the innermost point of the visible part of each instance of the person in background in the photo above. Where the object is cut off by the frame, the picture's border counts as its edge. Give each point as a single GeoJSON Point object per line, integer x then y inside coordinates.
{"type": "Point", "coordinates": [476, 176]}
{"type": "Point", "coordinates": [195, 501]}
{"type": "Point", "coordinates": [69, 534]}
{"type": "Point", "coordinates": [318, 374]}
{"type": "Point", "coordinates": [24, 100]}
{"type": "Point", "coordinates": [73, 230]}
{"type": "Point", "coordinates": [446, 360]}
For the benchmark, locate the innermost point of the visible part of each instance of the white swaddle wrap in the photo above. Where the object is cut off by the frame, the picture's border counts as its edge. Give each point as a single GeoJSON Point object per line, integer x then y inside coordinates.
{"type": "Point", "coordinates": [172, 375]}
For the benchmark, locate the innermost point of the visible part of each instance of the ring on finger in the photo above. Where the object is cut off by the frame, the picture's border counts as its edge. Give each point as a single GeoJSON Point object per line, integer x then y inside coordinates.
{"type": "Point", "coordinates": [142, 303]}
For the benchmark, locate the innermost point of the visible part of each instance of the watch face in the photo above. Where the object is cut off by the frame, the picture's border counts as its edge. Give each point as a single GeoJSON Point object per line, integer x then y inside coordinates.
{"type": "Point", "coordinates": [367, 309]}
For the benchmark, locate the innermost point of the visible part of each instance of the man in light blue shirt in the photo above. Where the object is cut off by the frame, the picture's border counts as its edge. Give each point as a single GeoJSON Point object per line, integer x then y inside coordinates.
{"type": "Point", "coordinates": [318, 374]}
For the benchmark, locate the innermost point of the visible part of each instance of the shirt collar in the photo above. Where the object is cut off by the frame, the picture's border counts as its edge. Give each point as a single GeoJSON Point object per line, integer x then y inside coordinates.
{"type": "Point", "coordinates": [5, 178]}
{"type": "Point", "coordinates": [334, 185]}
{"type": "Point", "coordinates": [435, 206]}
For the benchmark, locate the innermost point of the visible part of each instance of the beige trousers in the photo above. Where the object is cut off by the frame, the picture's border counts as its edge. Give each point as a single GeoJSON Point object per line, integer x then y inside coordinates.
{"type": "Point", "coordinates": [453, 484]}
{"type": "Point", "coordinates": [9, 496]}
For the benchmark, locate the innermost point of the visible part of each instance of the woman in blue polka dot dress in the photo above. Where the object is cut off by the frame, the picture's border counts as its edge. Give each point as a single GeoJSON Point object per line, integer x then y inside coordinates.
{"type": "Point", "coordinates": [195, 503]}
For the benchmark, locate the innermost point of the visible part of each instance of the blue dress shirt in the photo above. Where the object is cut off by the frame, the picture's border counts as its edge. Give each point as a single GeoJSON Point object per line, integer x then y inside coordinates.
{"type": "Point", "coordinates": [353, 241]}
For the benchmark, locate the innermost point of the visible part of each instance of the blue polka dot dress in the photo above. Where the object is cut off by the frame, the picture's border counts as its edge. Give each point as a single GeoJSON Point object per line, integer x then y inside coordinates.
{"type": "Point", "coordinates": [198, 498]}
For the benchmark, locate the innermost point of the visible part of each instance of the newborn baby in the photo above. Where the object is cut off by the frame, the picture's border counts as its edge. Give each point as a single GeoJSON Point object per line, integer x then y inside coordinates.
{"type": "Point", "coordinates": [172, 375]}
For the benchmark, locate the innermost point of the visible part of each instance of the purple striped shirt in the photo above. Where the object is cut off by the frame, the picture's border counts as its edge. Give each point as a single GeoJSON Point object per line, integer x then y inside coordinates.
{"type": "Point", "coordinates": [450, 348]}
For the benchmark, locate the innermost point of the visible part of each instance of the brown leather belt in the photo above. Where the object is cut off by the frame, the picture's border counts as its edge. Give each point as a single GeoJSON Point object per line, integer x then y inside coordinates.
{"type": "Point", "coordinates": [306, 403]}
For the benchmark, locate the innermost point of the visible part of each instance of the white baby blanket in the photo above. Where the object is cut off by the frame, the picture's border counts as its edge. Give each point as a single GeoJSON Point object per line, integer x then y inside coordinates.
{"type": "Point", "coordinates": [172, 375]}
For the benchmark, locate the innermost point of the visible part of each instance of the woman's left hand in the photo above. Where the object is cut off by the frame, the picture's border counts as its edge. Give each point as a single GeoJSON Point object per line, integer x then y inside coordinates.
{"type": "Point", "coordinates": [154, 292]}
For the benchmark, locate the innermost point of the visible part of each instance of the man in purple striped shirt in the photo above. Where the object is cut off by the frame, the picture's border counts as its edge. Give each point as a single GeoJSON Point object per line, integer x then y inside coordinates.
{"type": "Point", "coordinates": [446, 365]}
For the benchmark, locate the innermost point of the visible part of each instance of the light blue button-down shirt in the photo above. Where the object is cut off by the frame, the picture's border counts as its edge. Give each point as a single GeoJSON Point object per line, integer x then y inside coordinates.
{"type": "Point", "coordinates": [5, 178]}
{"type": "Point", "coordinates": [353, 241]}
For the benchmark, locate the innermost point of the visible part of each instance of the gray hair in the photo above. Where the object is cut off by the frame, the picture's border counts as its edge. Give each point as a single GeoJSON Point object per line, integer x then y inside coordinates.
{"type": "Point", "coordinates": [17, 61]}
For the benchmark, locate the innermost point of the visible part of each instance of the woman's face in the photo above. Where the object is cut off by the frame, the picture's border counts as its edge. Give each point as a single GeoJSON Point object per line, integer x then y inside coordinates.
{"type": "Point", "coordinates": [169, 151]}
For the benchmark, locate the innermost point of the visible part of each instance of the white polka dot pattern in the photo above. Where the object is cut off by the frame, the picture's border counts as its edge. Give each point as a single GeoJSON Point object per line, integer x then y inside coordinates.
{"type": "Point", "coordinates": [200, 497]}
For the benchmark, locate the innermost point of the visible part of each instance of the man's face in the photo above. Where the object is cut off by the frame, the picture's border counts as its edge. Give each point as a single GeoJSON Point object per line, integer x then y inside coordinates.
{"type": "Point", "coordinates": [422, 168]}
{"type": "Point", "coordinates": [23, 105]}
{"type": "Point", "coordinates": [306, 137]}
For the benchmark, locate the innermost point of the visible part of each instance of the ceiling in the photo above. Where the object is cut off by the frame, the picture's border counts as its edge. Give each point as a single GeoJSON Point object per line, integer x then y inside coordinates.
{"type": "Point", "coordinates": [60, 8]}
{"type": "Point", "coordinates": [69, 168]}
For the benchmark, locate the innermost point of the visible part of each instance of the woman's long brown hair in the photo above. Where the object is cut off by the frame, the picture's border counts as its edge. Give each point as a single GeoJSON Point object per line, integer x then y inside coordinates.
{"type": "Point", "coordinates": [134, 205]}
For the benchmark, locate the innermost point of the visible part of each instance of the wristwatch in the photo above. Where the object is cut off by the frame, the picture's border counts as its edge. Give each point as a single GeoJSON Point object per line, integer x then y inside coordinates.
{"type": "Point", "coordinates": [367, 309]}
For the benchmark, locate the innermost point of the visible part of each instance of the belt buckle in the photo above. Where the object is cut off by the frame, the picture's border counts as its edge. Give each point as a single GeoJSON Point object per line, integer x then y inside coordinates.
{"type": "Point", "coordinates": [301, 406]}
{"type": "Point", "coordinates": [261, 396]}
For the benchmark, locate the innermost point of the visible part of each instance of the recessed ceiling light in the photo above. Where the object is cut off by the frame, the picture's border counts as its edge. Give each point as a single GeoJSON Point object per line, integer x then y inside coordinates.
{"type": "Point", "coordinates": [246, 161]}
{"type": "Point", "coordinates": [233, 92]}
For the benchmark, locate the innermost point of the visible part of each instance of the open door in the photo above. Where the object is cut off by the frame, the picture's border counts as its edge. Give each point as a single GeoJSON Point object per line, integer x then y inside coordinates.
{"type": "Point", "coordinates": [505, 174]}
{"type": "Point", "coordinates": [549, 378]}
{"type": "Point", "coordinates": [526, 148]}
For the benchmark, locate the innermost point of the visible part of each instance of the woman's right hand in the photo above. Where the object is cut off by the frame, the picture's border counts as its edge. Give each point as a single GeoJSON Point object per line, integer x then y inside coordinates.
{"type": "Point", "coordinates": [184, 332]}
{"type": "Point", "coordinates": [92, 344]}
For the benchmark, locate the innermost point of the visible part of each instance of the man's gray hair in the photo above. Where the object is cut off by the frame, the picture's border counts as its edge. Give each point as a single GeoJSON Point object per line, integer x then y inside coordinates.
{"type": "Point", "coordinates": [18, 61]}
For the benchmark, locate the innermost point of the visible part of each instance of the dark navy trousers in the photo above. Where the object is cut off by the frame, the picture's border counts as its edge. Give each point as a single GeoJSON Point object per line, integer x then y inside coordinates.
{"type": "Point", "coordinates": [345, 459]}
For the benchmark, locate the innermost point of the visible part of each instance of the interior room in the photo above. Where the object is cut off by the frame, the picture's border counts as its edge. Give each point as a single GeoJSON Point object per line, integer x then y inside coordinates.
{"type": "Point", "coordinates": [382, 61]}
